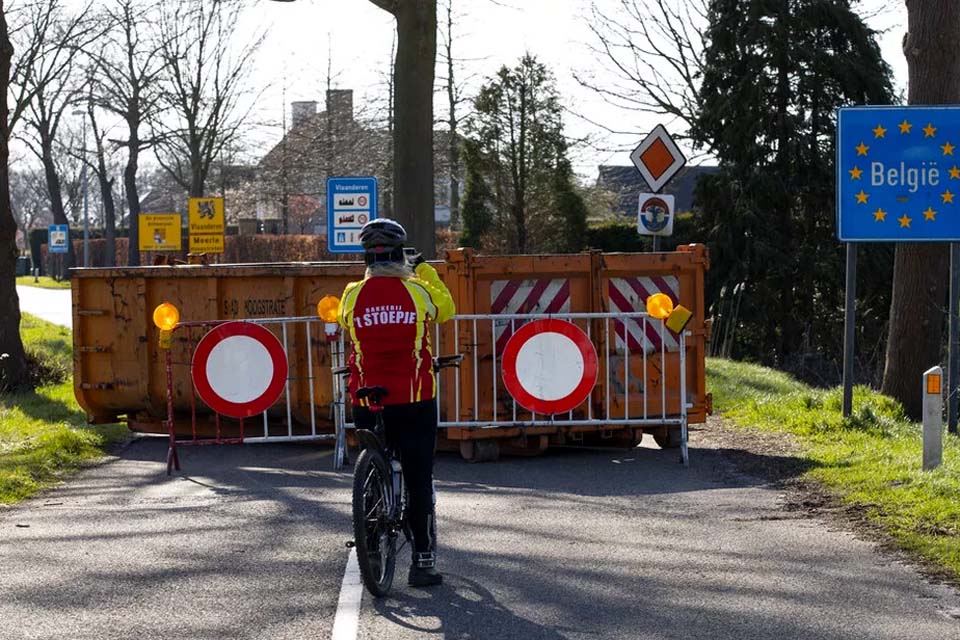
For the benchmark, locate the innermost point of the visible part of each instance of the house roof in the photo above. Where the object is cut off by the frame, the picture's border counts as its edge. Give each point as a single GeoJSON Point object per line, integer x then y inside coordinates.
{"type": "Point", "coordinates": [306, 144]}
{"type": "Point", "coordinates": [627, 183]}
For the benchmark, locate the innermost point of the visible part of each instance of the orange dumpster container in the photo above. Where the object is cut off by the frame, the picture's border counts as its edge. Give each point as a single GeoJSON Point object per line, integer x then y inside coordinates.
{"type": "Point", "coordinates": [119, 369]}
{"type": "Point", "coordinates": [580, 283]}
{"type": "Point", "coordinates": [118, 366]}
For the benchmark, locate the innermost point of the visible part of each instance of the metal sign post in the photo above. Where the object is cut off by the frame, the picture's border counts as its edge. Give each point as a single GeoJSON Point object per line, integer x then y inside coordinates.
{"type": "Point", "coordinates": [849, 325]}
{"type": "Point", "coordinates": [953, 358]}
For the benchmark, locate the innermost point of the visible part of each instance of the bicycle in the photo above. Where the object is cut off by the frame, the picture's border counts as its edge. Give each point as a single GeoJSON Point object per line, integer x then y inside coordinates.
{"type": "Point", "coordinates": [379, 494]}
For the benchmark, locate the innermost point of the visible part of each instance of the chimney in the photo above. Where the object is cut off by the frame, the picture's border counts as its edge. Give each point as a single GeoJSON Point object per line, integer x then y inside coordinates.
{"type": "Point", "coordinates": [340, 106]}
{"type": "Point", "coordinates": [300, 112]}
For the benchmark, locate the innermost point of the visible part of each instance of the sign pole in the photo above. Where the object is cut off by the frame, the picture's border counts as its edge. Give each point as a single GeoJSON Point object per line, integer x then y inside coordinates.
{"type": "Point", "coordinates": [656, 243]}
{"type": "Point", "coordinates": [849, 317]}
{"type": "Point", "coordinates": [953, 358]}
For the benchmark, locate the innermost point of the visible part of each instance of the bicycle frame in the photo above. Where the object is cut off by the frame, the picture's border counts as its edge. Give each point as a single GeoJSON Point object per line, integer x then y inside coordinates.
{"type": "Point", "coordinates": [374, 440]}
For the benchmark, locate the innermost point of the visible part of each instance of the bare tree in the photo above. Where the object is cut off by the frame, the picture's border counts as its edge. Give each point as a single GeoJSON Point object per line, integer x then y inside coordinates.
{"type": "Point", "coordinates": [28, 198]}
{"type": "Point", "coordinates": [13, 360]}
{"type": "Point", "coordinates": [455, 97]}
{"type": "Point", "coordinates": [105, 178]}
{"type": "Point", "coordinates": [654, 51]}
{"type": "Point", "coordinates": [203, 80]}
{"type": "Point", "coordinates": [413, 117]}
{"type": "Point", "coordinates": [50, 86]}
{"type": "Point", "coordinates": [126, 84]}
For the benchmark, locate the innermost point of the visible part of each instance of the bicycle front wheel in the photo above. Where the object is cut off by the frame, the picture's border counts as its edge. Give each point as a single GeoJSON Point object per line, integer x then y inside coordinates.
{"type": "Point", "coordinates": [372, 528]}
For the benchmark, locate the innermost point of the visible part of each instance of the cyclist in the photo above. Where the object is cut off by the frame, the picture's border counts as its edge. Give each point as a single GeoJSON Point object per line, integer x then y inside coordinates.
{"type": "Point", "coordinates": [386, 315]}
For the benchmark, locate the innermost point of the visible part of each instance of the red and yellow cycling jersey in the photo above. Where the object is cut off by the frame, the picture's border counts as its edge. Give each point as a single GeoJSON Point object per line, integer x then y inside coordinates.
{"type": "Point", "coordinates": [386, 318]}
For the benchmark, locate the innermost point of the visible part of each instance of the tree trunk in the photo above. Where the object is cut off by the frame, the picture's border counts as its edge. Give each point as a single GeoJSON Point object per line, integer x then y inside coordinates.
{"type": "Point", "coordinates": [109, 216]}
{"type": "Point", "coordinates": [413, 136]}
{"type": "Point", "coordinates": [789, 332]}
{"type": "Point", "coordinates": [106, 194]}
{"type": "Point", "coordinates": [453, 145]}
{"type": "Point", "coordinates": [133, 200]}
{"type": "Point", "coordinates": [197, 174]}
{"type": "Point", "coordinates": [55, 192]}
{"type": "Point", "coordinates": [919, 272]}
{"type": "Point", "coordinates": [13, 362]}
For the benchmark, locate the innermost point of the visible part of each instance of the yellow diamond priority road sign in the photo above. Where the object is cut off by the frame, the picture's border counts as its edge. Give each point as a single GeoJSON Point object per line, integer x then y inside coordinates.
{"type": "Point", "coordinates": [658, 158]}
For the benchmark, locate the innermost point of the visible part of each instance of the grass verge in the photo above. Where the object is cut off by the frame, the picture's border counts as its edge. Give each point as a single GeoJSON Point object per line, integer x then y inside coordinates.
{"type": "Point", "coordinates": [43, 433]}
{"type": "Point", "coordinates": [43, 282]}
{"type": "Point", "coordinates": [871, 461]}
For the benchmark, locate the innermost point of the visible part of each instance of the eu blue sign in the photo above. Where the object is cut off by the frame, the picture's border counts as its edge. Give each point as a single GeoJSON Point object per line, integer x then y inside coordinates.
{"type": "Point", "coordinates": [898, 174]}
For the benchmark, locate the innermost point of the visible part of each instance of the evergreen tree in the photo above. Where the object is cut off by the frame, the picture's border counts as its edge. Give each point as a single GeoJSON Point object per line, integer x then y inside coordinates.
{"type": "Point", "coordinates": [518, 131]}
{"type": "Point", "coordinates": [475, 208]}
{"type": "Point", "coordinates": [775, 72]}
{"type": "Point", "coordinates": [570, 211]}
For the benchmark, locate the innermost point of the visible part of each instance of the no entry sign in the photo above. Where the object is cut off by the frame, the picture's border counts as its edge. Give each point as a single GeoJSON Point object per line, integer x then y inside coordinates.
{"type": "Point", "coordinates": [549, 366]}
{"type": "Point", "coordinates": [239, 369]}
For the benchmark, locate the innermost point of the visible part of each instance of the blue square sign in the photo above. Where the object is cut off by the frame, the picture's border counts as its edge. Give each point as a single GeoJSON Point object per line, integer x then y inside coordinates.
{"type": "Point", "coordinates": [58, 238]}
{"type": "Point", "coordinates": [898, 174]}
{"type": "Point", "coordinates": [351, 203]}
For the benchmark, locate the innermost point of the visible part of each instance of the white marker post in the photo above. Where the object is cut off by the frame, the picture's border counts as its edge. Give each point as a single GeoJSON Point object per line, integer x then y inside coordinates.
{"type": "Point", "coordinates": [932, 418]}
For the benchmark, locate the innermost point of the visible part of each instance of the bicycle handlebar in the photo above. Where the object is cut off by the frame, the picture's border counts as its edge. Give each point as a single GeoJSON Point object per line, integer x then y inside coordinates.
{"type": "Point", "coordinates": [439, 362]}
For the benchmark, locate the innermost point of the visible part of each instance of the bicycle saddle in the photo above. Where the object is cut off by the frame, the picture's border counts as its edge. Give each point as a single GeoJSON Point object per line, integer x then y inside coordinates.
{"type": "Point", "coordinates": [374, 393]}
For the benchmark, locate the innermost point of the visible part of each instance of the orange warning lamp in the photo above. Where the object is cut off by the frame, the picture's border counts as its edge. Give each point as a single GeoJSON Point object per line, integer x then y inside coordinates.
{"type": "Point", "coordinates": [659, 306]}
{"type": "Point", "coordinates": [327, 308]}
{"type": "Point", "coordinates": [166, 316]}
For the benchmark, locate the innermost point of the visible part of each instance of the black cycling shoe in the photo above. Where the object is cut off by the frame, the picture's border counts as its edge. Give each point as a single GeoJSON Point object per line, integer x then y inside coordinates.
{"type": "Point", "coordinates": [423, 570]}
{"type": "Point", "coordinates": [421, 577]}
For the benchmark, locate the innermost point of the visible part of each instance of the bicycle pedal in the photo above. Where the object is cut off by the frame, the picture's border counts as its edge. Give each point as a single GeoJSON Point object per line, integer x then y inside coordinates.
{"type": "Point", "coordinates": [351, 544]}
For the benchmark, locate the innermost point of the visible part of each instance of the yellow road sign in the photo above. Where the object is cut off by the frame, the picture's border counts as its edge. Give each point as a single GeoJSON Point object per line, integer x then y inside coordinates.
{"type": "Point", "coordinates": [159, 232]}
{"type": "Point", "coordinates": [206, 215]}
{"type": "Point", "coordinates": [207, 243]}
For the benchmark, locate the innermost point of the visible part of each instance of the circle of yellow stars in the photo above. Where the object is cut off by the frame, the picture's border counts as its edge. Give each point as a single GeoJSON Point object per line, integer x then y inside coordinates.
{"type": "Point", "coordinates": [905, 128]}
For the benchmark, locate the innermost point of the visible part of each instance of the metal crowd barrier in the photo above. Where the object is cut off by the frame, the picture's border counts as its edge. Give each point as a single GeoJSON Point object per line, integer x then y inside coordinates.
{"type": "Point", "coordinates": [251, 430]}
{"type": "Point", "coordinates": [612, 334]}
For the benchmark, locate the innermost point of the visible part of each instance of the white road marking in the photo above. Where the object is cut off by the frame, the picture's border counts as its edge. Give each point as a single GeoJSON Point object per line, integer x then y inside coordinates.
{"type": "Point", "coordinates": [346, 624]}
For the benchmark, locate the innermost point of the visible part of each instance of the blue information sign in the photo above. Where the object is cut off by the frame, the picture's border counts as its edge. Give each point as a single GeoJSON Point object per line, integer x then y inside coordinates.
{"type": "Point", "coordinates": [58, 238]}
{"type": "Point", "coordinates": [898, 174]}
{"type": "Point", "coordinates": [351, 203]}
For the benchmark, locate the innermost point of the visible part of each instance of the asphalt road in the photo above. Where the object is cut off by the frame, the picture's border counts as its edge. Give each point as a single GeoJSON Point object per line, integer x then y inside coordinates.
{"type": "Point", "coordinates": [52, 305]}
{"type": "Point", "coordinates": [248, 542]}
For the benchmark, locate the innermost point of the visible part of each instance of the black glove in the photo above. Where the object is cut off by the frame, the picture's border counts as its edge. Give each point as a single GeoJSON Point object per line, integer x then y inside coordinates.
{"type": "Point", "coordinates": [415, 259]}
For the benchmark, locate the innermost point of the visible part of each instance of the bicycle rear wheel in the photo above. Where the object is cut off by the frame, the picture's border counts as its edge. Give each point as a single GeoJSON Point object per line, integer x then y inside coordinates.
{"type": "Point", "coordinates": [372, 529]}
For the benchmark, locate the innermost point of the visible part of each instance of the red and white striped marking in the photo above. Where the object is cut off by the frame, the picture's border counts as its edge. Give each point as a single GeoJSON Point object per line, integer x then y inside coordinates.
{"type": "Point", "coordinates": [630, 294]}
{"type": "Point", "coordinates": [526, 296]}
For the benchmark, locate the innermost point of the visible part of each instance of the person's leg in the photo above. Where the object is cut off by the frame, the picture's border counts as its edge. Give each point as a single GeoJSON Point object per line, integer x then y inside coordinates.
{"type": "Point", "coordinates": [363, 418]}
{"type": "Point", "coordinates": [413, 431]}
